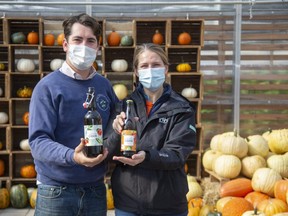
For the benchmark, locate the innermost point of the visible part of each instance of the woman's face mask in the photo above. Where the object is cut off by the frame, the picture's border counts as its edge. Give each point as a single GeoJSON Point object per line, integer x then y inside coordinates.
{"type": "Point", "coordinates": [81, 57]}
{"type": "Point", "coordinates": [152, 78]}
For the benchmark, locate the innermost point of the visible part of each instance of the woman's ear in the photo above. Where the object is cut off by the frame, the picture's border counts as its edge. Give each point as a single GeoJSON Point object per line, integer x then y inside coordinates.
{"type": "Point", "coordinates": [166, 69]}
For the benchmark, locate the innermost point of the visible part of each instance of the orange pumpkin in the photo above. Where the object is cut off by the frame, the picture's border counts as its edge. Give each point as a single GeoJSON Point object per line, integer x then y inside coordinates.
{"type": "Point", "coordinates": [157, 38]}
{"type": "Point", "coordinates": [184, 38]}
{"type": "Point", "coordinates": [256, 197]}
{"type": "Point", "coordinates": [28, 171]}
{"type": "Point", "coordinates": [33, 38]}
{"type": "Point", "coordinates": [113, 38]}
{"type": "Point", "coordinates": [280, 189]}
{"type": "Point", "coordinates": [60, 39]}
{"type": "Point", "coordinates": [272, 206]}
{"type": "Point", "coordinates": [2, 167]}
{"type": "Point", "coordinates": [25, 118]}
{"type": "Point", "coordinates": [4, 198]}
{"type": "Point", "coordinates": [236, 207]}
{"type": "Point", "coordinates": [195, 202]}
{"type": "Point", "coordinates": [239, 187]}
{"type": "Point", "coordinates": [49, 39]}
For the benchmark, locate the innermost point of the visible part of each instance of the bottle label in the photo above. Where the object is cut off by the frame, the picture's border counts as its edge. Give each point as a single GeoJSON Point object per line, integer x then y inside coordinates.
{"type": "Point", "coordinates": [128, 140]}
{"type": "Point", "coordinates": [93, 135]}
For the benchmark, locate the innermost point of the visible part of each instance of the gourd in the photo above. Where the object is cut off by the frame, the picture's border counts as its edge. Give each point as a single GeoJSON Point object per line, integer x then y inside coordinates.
{"type": "Point", "coordinates": [49, 39]}
{"type": "Point", "coordinates": [2, 167]}
{"type": "Point", "coordinates": [33, 198]}
{"type": "Point", "coordinates": [256, 197]}
{"type": "Point", "coordinates": [56, 63]}
{"type": "Point", "coordinates": [280, 189]}
{"type": "Point", "coordinates": [257, 145]}
{"type": "Point", "coordinates": [184, 38]}
{"type": "Point", "coordinates": [278, 141]}
{"type": "Point", "coordinates": [25, 65]}
{"type": "Point", "coordinates": [120, 90]}
{"type": "Point", "coordinates": [28, 171]}
{"type": "Point", "coordinates": [209, 158]}
{"type": "Point", "coordinates": [279, 163]}
{"type": "Point", "coordinates": [18, 38]}
{"type": "Point", "coordinates": [195, 190]}
{"type": "Point", "coordinates": [4, 198]}
{"type": "Point", "coordinates": [222, 202]}
{"type": "Point", "coordinates": [18, 196]}
{"type": "Point", "coordinates": [239, 187]}
{"type": "Point", "coordinates": [231, 163]}
{"type": "Point", "coordinates": [3, 117]}
{"type": "Point", "coordinates": [189, 92]}
{"type": "Point", "coordinates": [24, 145]}
{"type": "Point", "coordinates": [157, 38]}
{"type": "Point", "coordinates": [193, 210]}
{"type": "Point", "coordinates": [24, 92]}
{"type": "Point", "coordinates": [264, 179]}
{"type": "Point", "coordinates": [25, 118]}
{"type": "Point", "coordinates": [251, 163]}
{"type": "Point", "coordinates": [183, 67]}
{"type": "Point", "coordinates": [236, 207]}
{"type": "Point", "coordinates": [119, 65]}
{"type": "Point", "coordinates": [2, 66]}
{"type": "Point", "coordinates": [60, 39]}
{"type": "Point", "coordinates": [113, 38]}
{"type": "Point", "coordinates": [33, 38]}
{"type": "Point", "coordinates": [109, 197]}
{"type": "Point", "coordinates": [272, 206]}
{"type": "Point", "coordinates": [127, 40]}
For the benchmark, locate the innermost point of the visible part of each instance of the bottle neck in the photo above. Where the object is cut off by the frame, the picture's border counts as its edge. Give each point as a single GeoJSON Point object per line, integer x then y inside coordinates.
{"type": "Point", "coordinates": [91, 99]}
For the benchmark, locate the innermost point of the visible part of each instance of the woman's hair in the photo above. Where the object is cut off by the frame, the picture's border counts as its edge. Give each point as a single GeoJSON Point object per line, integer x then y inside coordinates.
{"type": "Point", "coordinates": [83, 19]}
{"type": "Point", "coordinates": [153, 48]}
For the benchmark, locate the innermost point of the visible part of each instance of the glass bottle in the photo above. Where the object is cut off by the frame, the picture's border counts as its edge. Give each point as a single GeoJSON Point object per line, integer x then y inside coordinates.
{"type": "Point", "coordinates": [129, 132]}
{"type": "Point", "coordinates": [92, 127]}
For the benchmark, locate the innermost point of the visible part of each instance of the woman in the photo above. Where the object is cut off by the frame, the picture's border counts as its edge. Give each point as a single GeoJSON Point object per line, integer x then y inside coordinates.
{"type": "Point", "coordinates": [153, 181]}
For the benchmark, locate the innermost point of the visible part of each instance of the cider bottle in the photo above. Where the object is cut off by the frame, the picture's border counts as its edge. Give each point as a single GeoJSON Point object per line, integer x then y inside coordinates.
{"type": "Point", "coordinates": [129, 132]}
{"type": "Point", "coordinates": [92, 127]}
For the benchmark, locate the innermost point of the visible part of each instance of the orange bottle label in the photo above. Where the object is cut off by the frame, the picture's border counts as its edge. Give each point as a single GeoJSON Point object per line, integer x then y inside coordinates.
{"type": "Point", "coordinates": [128, 140]}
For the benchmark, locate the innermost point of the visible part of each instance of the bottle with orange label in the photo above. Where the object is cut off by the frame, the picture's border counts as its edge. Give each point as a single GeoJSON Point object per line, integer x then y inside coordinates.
{"type": "Point", "coordinates": [129, 132]}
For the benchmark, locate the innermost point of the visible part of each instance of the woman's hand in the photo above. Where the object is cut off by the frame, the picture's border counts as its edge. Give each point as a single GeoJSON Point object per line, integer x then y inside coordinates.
{"type": "Point", "coordinates": [118, 122]}
{"type": "Point", "coordinates": [134, 160]}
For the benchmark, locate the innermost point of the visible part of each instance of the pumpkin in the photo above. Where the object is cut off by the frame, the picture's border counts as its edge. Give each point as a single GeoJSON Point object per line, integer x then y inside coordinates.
{"type": "Point", "coordinates": [183, 67]}
{"type": "Point", "coordinates": [25, 65]}
{"type": "Point", "coordinates": [256, 197]}
{"type": "Point", "coordinates": [18, 196]}
{"type": "Point", "coordinates": [113, 38]}
{"type": "Point", "coordinates": [236, 207]}
{"type": "Point", "coordinates": [120, 90]}
{"type": "Point", "coordinates": [222, 202]}
{"type": "Point", "coordinates": [18, 38]}
{"type": "Point", "coordinates": [239, 187]}
{"type": "Point", "coordinates": [126, 40]}
{"type": "Point", "coordinates": [231, 163]}
{"type": "Point", "coordinates": [157, 38]}
{"type": "Point", "coordinates": [193, 210]}
{"type": "Point", "coordinates": [250, 164]}
{"type": "Point", "coordinates": [257, 145]}
{"type": "Point", "coordinates": [264, 179]}
{"type": "Point", "coordinates": [2, 167]}
{"type": "Point", "coordinates": [279, 163]}
{"type": "Point", "coordinates": [56, 63]}
{"type": "Point", "coordinates": [189, 92]}
{"type": "Point", "coordinates": [60, 39]}
{"type": "Point", "coordinates": [119, 65]}
{"type": "Point", "coordinates": [33, 198]}
{"type": "Point", "coordinates": [278, 141]}
{"type": "Point", "coordinates": [209, 158]}
{"type": "Point", "coordinates": [280, 189]}
{"type": "Point", "coordinates": [1, 145]}
{"type": "Point", "coordinates": [196, 202]}
{"type": "Point", "coordinates": [25, 118]}
{"type": "Point", "coordinates": [2, 66]}
{"type": "Point", "coordinates": [272, 206]}
{"type": "Point", "coordinates": [234, 145]}
{"type": "Point", "coordinates": [24, 145]}
{"type": "Point", "coordinates": [252, 213]}
{"type": "Point", "coordinates": [217, 140]}
{"type": "Point", "coordinates": [28, 171]}
{"type": "Point", "coordinates": [33, 38]}
{"type": "Point", "coordinates": [4, 198]}
{"type": "Point", "coordinates": [195, 190]}
{"type": "Point", "coordinates": [3, 118]}
{"type": "Point", "coordinates": [49, 39]}
{"type": "Point", "coordinates": [184, 38]}
{"type": "Point", "coordinates": [191, 178]}
{"type": "Point", "coordinates": [24, 92]}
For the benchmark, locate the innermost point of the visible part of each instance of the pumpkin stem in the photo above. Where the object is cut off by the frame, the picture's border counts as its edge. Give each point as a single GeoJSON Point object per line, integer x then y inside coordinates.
{"type": "Point", "coordinates": [235, 132]}
{"type": "Point", "coordinates": [255, 211]}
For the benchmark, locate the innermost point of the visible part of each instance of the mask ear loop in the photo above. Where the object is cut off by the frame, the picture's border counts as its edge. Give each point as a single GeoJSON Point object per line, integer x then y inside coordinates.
{"type": "Point", "coordinates": [87, 103]}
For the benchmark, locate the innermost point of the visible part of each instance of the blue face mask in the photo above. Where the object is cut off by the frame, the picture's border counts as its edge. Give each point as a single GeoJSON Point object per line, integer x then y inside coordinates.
{"type": "Point", "coordinates": [152, 78]}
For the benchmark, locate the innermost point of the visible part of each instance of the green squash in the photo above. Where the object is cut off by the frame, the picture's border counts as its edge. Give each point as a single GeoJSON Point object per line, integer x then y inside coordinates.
{"type": "Point", "coordinates": [126, 40]}
{"type": "Point", "coordinates": [19, 196]}
{"type": "Point", "coordinates": [18, 38]}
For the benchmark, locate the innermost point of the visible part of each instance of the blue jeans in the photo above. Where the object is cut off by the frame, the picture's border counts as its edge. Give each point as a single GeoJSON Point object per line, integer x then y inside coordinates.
{"type": "Point", "coordinates": [71, 201]}
{"type": "Point", "coordinates": [119, 212]}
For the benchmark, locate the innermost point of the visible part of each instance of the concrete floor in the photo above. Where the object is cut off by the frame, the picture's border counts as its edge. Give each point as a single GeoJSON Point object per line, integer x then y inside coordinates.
{"type": "Point", "coordinates": [30, 212]}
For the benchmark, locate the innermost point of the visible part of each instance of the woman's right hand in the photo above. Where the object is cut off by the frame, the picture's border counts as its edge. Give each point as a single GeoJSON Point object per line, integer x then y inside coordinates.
{"type": "Point", "coordinates": [118, 122]}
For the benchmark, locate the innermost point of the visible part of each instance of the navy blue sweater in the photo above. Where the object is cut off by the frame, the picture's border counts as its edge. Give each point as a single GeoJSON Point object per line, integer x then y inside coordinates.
{"type": "Point", "coordinates": [56, 116]}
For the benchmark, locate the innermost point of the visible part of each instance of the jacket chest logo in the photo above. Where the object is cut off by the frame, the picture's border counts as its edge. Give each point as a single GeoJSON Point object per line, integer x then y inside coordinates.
{"type": "Point", "coordinates": [163, 120]}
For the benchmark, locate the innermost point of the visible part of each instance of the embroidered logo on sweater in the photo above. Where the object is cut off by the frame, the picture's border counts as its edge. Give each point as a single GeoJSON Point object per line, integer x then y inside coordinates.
{"type": "Point", "coordinates": [102, 102]}
{"type": "Point", "coordinates": [163, 120]}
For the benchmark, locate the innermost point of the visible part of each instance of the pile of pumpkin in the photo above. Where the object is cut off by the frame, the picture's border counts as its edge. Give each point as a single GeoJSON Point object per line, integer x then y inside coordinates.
{"type": "Point", "coordinates": [254, 172]}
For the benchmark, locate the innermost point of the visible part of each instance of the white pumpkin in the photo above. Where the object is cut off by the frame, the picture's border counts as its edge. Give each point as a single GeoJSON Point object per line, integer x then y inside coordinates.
{"type": "Point", "coordinates": [209, 157]}
{"type": "Point", "coordinates": [251, 163]}
{"type": "Point", "coordinates": [25, 65]}
{"type": "Point", "coordinates": [257, 145]}
{"type": "Point", "coordinates": [3, 118]}
{"type": "Point", "coordinates": [119, 65]}
{"type": "Point", "coordinates": [189, 92]}
{"type": "Point", "coordinates": [253, 212]}
{"type": "Point", "coordinates": [195, 190]}
{"type": "Point", "coordinates": [227, 166]}
{"type": "Point", "coordinates": [234, 145]}
{"type": "Point", "coordinates": [24, 145]}
{"type": "Point", "coordinates": [279, 163]}
{"type": "Point", "coordinates": [56, 63]}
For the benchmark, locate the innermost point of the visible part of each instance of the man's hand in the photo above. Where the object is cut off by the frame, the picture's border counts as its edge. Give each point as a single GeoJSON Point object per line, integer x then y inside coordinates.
{"type": "Point", "coordinates": [81, 159]}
